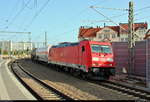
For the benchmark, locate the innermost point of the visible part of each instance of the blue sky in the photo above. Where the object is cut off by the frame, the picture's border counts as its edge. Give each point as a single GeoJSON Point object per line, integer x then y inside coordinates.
{"type": "Point", "coordinates": [61, 19]}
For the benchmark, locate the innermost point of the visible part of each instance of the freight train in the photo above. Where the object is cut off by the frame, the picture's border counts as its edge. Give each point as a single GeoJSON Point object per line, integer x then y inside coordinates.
{"type": "Point", "coordinates": [90, 59]}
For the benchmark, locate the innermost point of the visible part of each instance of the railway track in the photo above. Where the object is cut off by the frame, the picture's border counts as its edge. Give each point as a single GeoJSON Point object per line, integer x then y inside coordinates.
{"type": "Point", "coordinates": [122, 89]}
{"type": "Point", "coordinates": [135, 92]}
{"type": "Point", "coordinates": [141, 94]}
{"type": "Point", "coordinates": [37, 87]}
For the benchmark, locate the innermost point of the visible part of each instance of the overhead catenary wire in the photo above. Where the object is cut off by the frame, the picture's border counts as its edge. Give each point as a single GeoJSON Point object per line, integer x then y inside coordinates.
{"type": "Point", "coordinates": [142, 18]}
{"type": "Point", "coordinates": [120, 8]}
{"type": "Point", "coordinates": [110, 17]}
{"type": "Point", "coordinates": [136, 35]}
{"type": "Point", "coordinates": [96, 21]}
{"type": "Point", "coordinates": [62, 34]}
{"type": "Point", "coordinates": [123, 14]}
{"type": "Point", "coordinates": [40, 35]}
{"type": "Point", "coordinates": [105, 20]}
{"type": "Point", "coordinates": [37, 13]}
{"type": "Point", "coordinates": [104, 16]}
{"type": "Point", "coordinates": [13, 33]}
{"type": "Point", "coordinates": [74, 16]}
{"type": "Point", "coordinates": [142, 8]}
{"type": "Point", "coordinates": [140, 11]}
{"type": "Point", "coordinates": [120, 15]}
{"type": "Point", "coordinates": [12, 10]}
{"type": "Point", "coordinates": [15, 17]}
{"type": "Point", "coordinates": [21, 26]}
{"type": "Point", "coordinates": [5, 21]}
{"type": "Point", "coordinates": [109, 8]}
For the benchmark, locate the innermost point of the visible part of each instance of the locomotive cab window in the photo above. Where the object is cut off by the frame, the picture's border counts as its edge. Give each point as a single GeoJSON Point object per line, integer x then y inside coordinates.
{"type": "Point", "coordinates": [101, 48]}
{"type": "Point", "coordinates": [83, 48]}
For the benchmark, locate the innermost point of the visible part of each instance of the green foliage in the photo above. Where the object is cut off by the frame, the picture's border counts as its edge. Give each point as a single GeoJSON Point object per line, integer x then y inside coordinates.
{"type": "Point", "coordinates": [20, 52]}
{"type": "Point", "coordinates": [5, 52]}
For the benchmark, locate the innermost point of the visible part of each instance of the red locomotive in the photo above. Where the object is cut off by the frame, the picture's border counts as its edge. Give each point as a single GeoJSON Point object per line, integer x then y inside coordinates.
{"type": "Point", "coordinates": [90, 59]}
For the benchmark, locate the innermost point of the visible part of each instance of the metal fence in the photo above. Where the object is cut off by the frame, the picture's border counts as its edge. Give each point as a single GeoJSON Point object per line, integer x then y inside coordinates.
{"type": "Point", "coordinates": [148, 62]}
{"type": "Point", "coordinates": [141, 58]}
{"type": "Point", "coordinates": [121, 56]}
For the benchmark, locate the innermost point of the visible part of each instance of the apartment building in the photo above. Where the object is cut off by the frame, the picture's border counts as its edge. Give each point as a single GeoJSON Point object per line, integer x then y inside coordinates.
{"type": "Point", "coordinates": [112, 33]}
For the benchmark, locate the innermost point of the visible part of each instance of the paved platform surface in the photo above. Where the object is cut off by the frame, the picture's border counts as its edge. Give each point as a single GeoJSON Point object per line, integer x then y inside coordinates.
{"type": "Point", "coordinates": [10, 87]}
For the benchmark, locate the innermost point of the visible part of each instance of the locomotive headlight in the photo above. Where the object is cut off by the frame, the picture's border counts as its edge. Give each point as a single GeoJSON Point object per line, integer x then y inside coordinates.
{"type": "Point", "coordinates": [95, 59]}
{"type": "Point", "coordinates": [110, 59]}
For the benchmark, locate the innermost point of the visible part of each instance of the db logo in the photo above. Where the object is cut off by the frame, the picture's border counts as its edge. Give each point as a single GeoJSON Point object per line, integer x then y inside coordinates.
{"type": "Point", "coordinates": [61, 54]}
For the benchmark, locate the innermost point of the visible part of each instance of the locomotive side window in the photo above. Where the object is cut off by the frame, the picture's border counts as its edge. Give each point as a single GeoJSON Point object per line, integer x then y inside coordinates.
{"type": "Point", "coordinates": [83, 48]}
{"type": "Point", "coordinates": [101, 49]}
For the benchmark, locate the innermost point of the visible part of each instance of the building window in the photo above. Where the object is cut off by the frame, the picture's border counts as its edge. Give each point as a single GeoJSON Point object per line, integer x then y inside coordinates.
{"type": "Point", "coordinates": [126, 39]}
{"type": "Point", "coordinates": [122, 39]}
{"type": "Point", "coordinates": [106, 30]}
{"type": "Point", "coordinates": [141, 31]}
{"type": "Point", "coordinates": [106, 35]}
{"type": "Point", "coordinates": [113, 35]}
{"type": "Point", "coordinates": [100, 36]}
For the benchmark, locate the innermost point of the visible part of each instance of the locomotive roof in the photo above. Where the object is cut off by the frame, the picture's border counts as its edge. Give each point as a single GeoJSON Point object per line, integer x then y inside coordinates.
{"type": "Point", "coordinates": [65, 44]}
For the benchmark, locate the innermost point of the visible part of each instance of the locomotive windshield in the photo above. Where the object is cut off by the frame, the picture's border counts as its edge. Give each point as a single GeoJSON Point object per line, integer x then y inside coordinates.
{"type": "Point", "coordinates": [101, 49]}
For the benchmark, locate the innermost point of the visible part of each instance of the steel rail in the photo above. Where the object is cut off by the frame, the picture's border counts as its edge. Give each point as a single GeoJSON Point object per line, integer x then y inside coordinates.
{"type": "Point", "coordinates": [48, 87]}
{"type": "Point", "coordinates": [141, 94]}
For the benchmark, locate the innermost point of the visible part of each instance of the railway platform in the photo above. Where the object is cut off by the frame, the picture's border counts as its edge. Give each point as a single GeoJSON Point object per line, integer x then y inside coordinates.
{"type": "Point", "coordinates": [10, 87]}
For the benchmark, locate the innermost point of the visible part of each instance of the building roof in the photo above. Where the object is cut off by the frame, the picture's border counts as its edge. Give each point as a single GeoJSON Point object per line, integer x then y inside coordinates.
{"type": "Point", "coordinates": [136, 26]}
{"type": "Point", "coordinates": [115, 28]}
{"type": "Point", "coordinates": [88, 32]}
{"type": "Point", "coordinates": [91, 32]}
